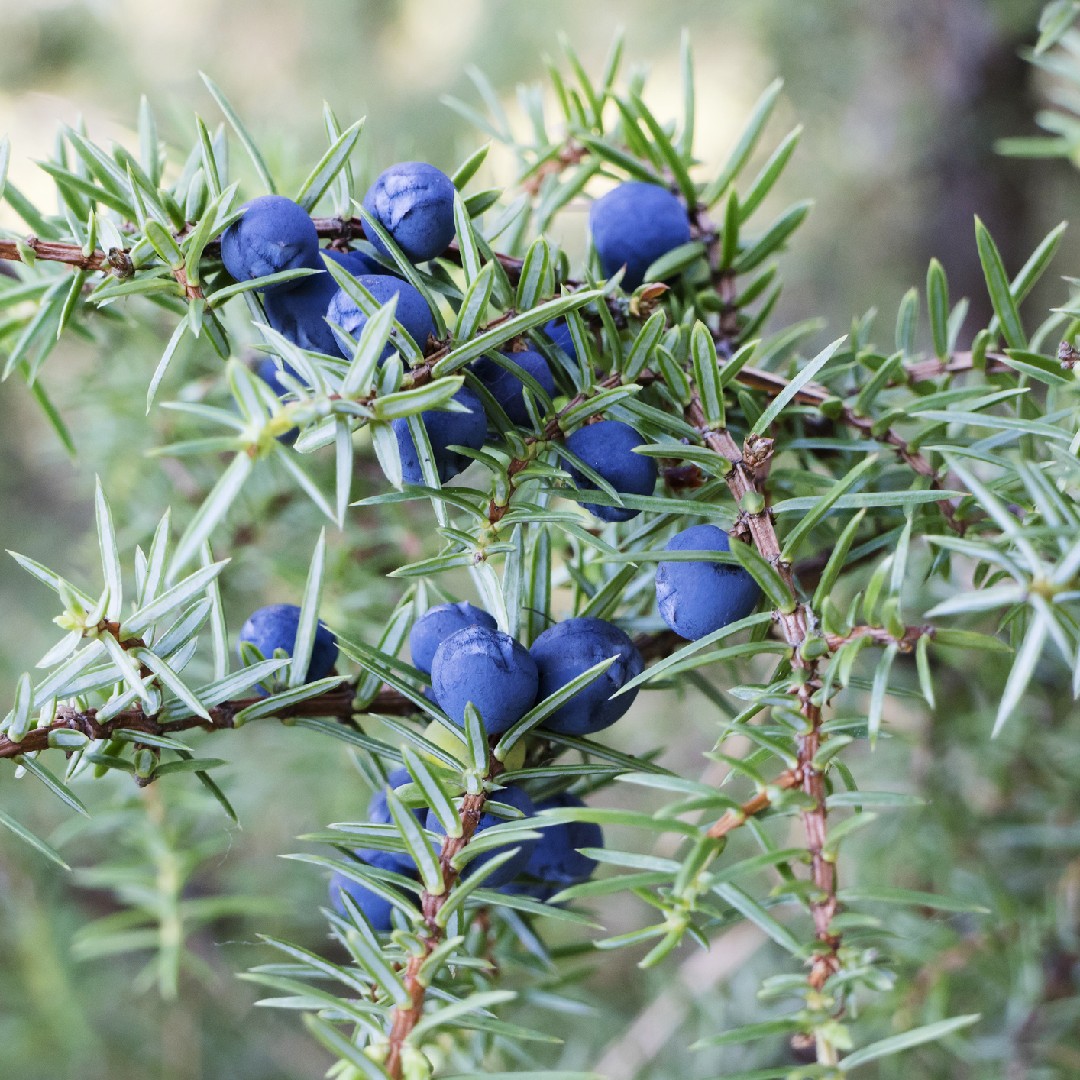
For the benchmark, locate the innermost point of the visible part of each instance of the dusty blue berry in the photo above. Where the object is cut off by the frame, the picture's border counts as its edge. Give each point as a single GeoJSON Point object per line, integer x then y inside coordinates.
{"type": "Point", "coordinates": [299, 313]}
{"type": "Point", "coordinates": [275, 234]}
{"type": "Point", "coordinates": [556, 861]}
{"type": "Point", "coordinates": [376, 909]}
{"type": "Point", "coordinates": [412, 310]}
{"type": "Point", "coordinates": [511, 796]}
{"type": "Point", "coordinates": [633, 225]}
{"type": "Point", "coordinates": [489, 669]}
{"type": "Point", "coordinates": [274, 627]}
{"type": "Point", "coordinates": [564, 651]}
{"type": "Point", "coordinates": [414, 202]}
{"type": "Point", "coordinates": [608, 448]}
{"type": "Point", "coordinates": [696, 598]}
{"type": "Point", "coordinates": [558, 333]}
{"type": "Point", "coordinates": [444, 429]}
{"type": "Point", "coordinates": [508, 390]}
{"type": "Point", "coordinates": [437, 624]}
{"type": "Point", "coordinates": [378, 813]}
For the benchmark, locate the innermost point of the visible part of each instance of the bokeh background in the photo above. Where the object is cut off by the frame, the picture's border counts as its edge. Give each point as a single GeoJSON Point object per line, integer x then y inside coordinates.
{"type": "Point", "coordinates": [902, 101]}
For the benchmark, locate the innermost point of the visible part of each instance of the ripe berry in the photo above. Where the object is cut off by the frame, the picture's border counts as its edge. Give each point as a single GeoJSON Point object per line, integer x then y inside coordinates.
{"type": "Point", "coordinates": [412, 310]}
{"type": "Point", "coordinates": [511, 796]}
{"type": "Point", "coordinates": [437, 624]}
{"type": "Point", "coordinates": [378, 813]}
{"type": "Point", "coordinates": [558, 333]}
{"type": "Point", "coordinates": [489, 669]}
{"type": "Point", "coordinates": [697, 598]}
{"type": "Point", "coordinates": [556, 861]}
{"type": "Point", "coordinates": [375, 908]}
{"type": "Point", "coordinates": [633, 225]}
{"type": "Point", "coordinates": [508, 390]}
{"type": "Point", "coordinates": [444, 429]}
{"type": "Point", "coordinates": [608, 448]}
{"type": "Point", "coordinates": [414, 202]}
{"type": "Point", "coordinates": [275, 234]}
{"type": "Point", "coordinates": [299, 312]}
{"type": "Point", "coordinates": [564, 651]}
{"type": "Point", "coordinates": [274, 627]}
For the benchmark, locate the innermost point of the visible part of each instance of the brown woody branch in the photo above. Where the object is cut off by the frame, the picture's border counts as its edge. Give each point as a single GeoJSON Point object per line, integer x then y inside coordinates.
{"type": "Point", "coordinates": [905, 643]}
{"type": "Point", "coordinates": [336, 704]}
{"type": "Point", "coordinates": [51, 251]}
{"type": "Point", "coordinates": [794, 624]}
{"type": "Point", "coordinates": [732, 819]}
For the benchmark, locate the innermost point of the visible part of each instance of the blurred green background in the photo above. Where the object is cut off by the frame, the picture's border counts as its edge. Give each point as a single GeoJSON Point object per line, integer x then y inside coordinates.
{"type": "Point", "coordinates": [901, 101]}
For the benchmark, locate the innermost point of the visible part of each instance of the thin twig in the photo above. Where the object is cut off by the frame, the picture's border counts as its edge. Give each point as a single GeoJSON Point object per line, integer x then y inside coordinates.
{"type": "Point", "coordinates": [405, 1017]}
{"type": "Point", "coordinates": [795, 625]}
{"type": "Point", "coordinates": [733, 819]}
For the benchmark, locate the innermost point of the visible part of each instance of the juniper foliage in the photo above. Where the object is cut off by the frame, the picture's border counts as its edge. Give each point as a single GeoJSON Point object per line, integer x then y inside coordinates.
{"type": "Point", "coordinates": [906, 501]}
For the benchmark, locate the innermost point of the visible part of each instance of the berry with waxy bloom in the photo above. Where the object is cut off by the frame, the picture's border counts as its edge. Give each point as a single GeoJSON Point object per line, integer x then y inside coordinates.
{"type": "Point", "coordinates": [569, 648]}
{"type": "Point", "coordinates": [489, 669]}
{"type": "Point", "coordinates": [414, 202]}
{"type": "Point", "coordinates": [698, 598]}
{"type": "Point", "coordinates": [608, 449]}
{"type": "Point", "coordinates": [633, 225]}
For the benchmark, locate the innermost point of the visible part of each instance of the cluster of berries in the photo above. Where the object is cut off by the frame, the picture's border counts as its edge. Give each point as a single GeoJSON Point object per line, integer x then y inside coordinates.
{"type": "Point", "coordinates": [459, 646]}
{"type": "Point", "coordinates": [538, 869]}
{"type": "Point", "coordinates": [414, 202]}
{"type": "Point", "coordinates": [470, 661]}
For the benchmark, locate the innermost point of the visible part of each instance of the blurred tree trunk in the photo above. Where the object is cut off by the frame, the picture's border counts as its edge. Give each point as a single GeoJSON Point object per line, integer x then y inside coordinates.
{"type": "Point", "coordinates": [967, 59]}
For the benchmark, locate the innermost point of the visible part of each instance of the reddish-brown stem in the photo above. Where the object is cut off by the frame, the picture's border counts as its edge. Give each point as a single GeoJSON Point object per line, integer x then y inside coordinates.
{"type": "Point", "coordinates": [732, 819]}
{"type": "Point", "coordinates": [51, 251]}
{"type": "Point", "coordinates": [905, 643]}
{"type": "Point", "coordinates": [336, 704]}
{"type": "Point", "coordinates": [794, 624]}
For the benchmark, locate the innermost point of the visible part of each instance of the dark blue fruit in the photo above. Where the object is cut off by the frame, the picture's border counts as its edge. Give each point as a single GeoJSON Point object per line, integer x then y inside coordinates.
{"type": "Point", "coordinates": [444, 429]}
{"type": "Point", "coordinates": [412, 310]}
{"type": "Point", "coordinates": [507, 389]}
{"type": "Point", "coordinates": [696, 598]}
{"type": "Point", "coordinates": [275, 626]}
{"type": "Point", "coordinates": [356, 262]}
{"type": "Point", "coordinates": [376, 909]}
{"type": "Point", "coordinates": [556, 862]}
{"type": "Point", "coordinates": [275, 234]}
{"type": "Point", "coordinates": [299, 312]}
{"type": "Point", "coordinates": [511, 796]}
{"type": "Point", "coordinates": [569, 648]}
{"type": "Point", "coordinates": [608, 448]}
{"type": "Point", "coordinates": [633, 225]}
{"type": "Point", "coordinates": [437, 624]}
{"type": "Point", "coordinates": [558, 333]}
{"type": "Point", "coordinates": [488, 668]}
{"type": "Point", "coordinates": [300, 315]}
{"type": "Point", "coordinates": [378, 813]}
{"type": "Point", "coordinates": [414, 202]}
